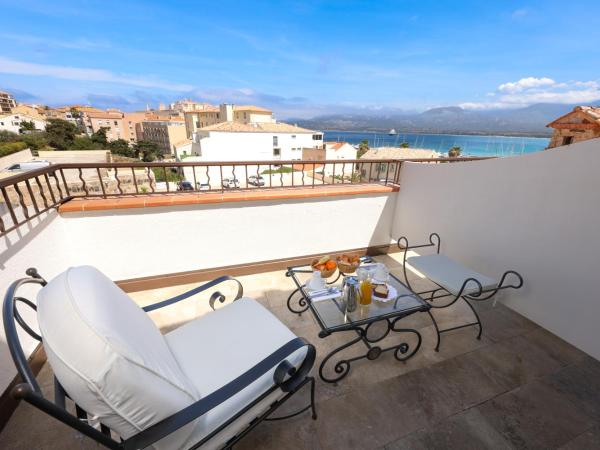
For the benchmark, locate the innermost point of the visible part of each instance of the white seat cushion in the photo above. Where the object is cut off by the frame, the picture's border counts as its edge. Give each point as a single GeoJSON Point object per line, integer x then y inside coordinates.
{"type": "Point", "coordinates": [109, 356]}
{"type": "Point", "coordinates": [219, 347]}
{"type": "Point", "coordinates": [449, 274]}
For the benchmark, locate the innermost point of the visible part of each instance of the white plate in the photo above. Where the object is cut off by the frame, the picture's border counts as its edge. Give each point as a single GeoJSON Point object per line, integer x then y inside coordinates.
{"type": "Point", "coordinates": [392, 294]}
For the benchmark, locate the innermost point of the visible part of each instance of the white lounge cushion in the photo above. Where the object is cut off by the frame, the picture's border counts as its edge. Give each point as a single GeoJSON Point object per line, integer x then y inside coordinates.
{"type": "Point", "coordinates": [449, 274]}
{"type": "Point", "coordinates": [109, 356]}
{"type": "Point", "coordinates": [222, 345]}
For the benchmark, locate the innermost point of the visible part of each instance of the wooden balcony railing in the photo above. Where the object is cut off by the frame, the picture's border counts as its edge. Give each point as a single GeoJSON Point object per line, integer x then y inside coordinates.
{"type": "Point", "coordinates": [30, 194]}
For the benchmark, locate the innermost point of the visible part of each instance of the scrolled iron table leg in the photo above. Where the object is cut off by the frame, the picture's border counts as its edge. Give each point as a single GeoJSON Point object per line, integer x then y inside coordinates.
{"type": "Point", "coordinates": [342, 367]}
{"type": "Point", "coordinates": [402, 351]}
{"type": "Point", "coordinates": [302, 303]}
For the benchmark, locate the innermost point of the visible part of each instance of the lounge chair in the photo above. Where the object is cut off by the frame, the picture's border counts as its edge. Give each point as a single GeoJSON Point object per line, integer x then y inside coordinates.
{"type": "Point", "coordinates": [454, 282]}
{"type": "Point", "coordinates": [205, 384]}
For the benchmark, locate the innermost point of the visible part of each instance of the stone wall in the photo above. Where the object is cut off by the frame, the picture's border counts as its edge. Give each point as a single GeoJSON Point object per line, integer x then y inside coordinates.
{"type": "Point", "coordinates": [577, 135]}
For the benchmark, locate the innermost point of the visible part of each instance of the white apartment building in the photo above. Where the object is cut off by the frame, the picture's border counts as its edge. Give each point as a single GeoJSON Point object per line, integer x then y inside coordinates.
{"type": "Point", "coordinates": [235, 141]}
{"type": "Point", "coordinates": [7, 102]}
{"type": "Point", "coordinates": [12, 122]}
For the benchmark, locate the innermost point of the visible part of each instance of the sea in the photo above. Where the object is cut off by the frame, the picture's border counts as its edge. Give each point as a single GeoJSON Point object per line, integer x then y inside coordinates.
{"type": "Point", "coordinates": [471, 145]}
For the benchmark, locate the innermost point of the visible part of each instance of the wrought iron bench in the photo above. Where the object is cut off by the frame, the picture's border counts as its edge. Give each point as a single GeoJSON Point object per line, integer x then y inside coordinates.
{"type": "Point", "coordinates": [454, 282]}
{"type": "Point", "coordinates": [205, 384]}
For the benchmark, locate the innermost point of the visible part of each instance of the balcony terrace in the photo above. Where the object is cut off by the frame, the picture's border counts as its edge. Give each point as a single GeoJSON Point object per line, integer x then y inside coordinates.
{"type": "Point", "coordinates": [532, 381]}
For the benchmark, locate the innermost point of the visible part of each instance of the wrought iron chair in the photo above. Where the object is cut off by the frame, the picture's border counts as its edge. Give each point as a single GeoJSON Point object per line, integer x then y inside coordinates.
{"type": "Point", "coordinates": [454, 282]}
{"type": "Point", "coordinates": [205, 384]}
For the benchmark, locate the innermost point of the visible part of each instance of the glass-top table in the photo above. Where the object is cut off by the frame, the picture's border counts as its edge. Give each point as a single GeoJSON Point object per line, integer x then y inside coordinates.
{"type": "Point", "coordinates": [371, 323]}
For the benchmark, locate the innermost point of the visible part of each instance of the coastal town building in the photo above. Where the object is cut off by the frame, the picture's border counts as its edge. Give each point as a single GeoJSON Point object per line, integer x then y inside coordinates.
{"type": "Point", "coordinates": [13, 122]}
{"type": "Point", "coordinates": [76, 114]}
{"type": "Point", "coordinates": [200, 118]}
{"type": "Point", "coordinates": [185, 149]}
{"type": "Point", "coordinates": [118, 125]}
{"type": "Point", "coordinates": [236, 141]}
{"type": "Point", "coordinates": [371, 172]}
{"type": "Point", "coordinates": [164, 133]}
{"type": "Point", "coordinates": [581, 124]}
{"type": "Point", "coordinates": [329, 151]}
{"type": "Point", "coordinates": [251, 114]}
{"type": "Point", "coordinates": [206, 114]}
{"type": "Point", "coordinates": [7, 102]}
{"type": "Point", "coordinates": [188, 105]}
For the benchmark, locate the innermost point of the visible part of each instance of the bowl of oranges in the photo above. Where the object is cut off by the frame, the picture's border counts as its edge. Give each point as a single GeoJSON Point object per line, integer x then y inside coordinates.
{"type": "Point", "coordinates": [348, 264]}
{"type": "Point", "coordinates": [325, 265]}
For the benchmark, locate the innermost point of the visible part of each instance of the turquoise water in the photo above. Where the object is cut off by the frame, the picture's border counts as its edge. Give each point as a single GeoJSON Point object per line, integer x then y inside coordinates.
{"type": "Point", "coordinates": [470, 145]}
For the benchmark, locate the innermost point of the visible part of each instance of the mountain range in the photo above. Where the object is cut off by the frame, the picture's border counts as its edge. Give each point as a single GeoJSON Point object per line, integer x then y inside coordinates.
{"type": "Point", "coordinates": [527, 121]}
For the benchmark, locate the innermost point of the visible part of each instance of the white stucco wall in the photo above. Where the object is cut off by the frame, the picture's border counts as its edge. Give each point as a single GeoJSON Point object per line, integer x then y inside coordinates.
{"type": "Point", "coordinates": [538, 214]}
{"type": "Point", "coordinates": [225, 146]}
{"type": "Point", "coordinates": [152, 241]}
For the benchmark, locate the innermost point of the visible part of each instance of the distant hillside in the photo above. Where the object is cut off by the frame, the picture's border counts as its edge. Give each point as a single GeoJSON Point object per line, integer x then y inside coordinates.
{"type": "Point", "coordinates": [531, 120]}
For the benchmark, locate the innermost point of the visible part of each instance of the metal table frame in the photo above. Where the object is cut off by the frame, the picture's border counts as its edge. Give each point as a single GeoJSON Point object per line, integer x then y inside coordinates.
{"type": "Point", "coordinates": [363, 328]}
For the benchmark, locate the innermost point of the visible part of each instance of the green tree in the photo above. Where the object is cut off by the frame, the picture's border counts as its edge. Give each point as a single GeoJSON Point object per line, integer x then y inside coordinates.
{"type": "Point", "coordinates": [148, 151]}
{"type": "Point", "coordinates": [363, 147]}
{"type": "Point", "coordinates": [60, 133]}
{"type": "Point", "coordinates": [9, 136]}
{"type": "Point", "coordinates": [404, 145]}
{"type": "Point", "coordinates": [454, 152]}
{"type": "Point", "coordinates": [27, 125]}
{"type": "Point", "coordinates": [35, 141]}
{"type": "Point", "coordinates": [121, 147]}
{"type": "Point", "coordinates": [84, 143]}
{"type": "Point", "coordinates": [99, 136]}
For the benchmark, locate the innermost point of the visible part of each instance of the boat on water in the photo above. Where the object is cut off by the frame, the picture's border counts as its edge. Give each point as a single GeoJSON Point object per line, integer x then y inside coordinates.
{"type": "Point", "coordinates": [392, 132]}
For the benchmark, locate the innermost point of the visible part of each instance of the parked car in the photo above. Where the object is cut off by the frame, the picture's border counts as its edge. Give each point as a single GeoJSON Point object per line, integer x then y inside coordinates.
{"type": "Point", "coordinates": [256, 180]}
{"type": "Point", "coordinates": [185, 186]}
{"type": "Point", "coordinates": [27, 166]}
{"type": "Point", "coordinates": [202, 186]}
{"type": "Point", "coordinates": [231, 183]}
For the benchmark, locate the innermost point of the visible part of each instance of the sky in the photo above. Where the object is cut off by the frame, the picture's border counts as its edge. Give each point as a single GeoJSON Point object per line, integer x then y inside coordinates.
{"type": "Point", "coordinates": [302, 58]}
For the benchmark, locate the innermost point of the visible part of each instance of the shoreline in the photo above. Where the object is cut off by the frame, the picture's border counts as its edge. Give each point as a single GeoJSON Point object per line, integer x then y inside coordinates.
{"type": "Point", "coordinates": [399, 133]}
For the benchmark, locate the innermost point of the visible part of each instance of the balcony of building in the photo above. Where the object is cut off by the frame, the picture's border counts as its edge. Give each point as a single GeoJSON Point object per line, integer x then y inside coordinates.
{"type": "Point", "coordinates": [532, 381]}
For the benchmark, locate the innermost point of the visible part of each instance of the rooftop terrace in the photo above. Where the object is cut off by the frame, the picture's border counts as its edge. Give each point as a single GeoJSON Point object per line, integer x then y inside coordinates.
{"type": "Point", "coordinates": [520, 386]}
{"type": "Point", "coordinates": [532, 381]}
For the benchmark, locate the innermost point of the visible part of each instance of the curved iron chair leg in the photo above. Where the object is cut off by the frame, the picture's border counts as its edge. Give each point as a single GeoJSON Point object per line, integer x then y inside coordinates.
{"type": "Point", "coordinates": [476, 317]}
{"type": "Point", "coordinates": [312, 399]}
{"type": "Point", "coordinates": [437, 331]}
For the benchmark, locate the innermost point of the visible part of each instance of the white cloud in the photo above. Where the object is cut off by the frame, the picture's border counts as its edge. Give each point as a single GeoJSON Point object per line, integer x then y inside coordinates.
{"type": "Point", "coordinates": [531, 90]}
{"type": "Point", "coordinates": [525, 83]}
{"type": "Point", "coordinates": [75, 73]}
{"type": "Point", "coordinates": [72, 43]}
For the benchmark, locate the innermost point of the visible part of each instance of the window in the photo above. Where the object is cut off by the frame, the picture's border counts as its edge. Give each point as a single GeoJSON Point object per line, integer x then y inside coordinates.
{"type": "Point", "coordinates": [275, 141]}
{"type": "Point", "coordinates": [115, 122]}
{"type": "Point", "coordinates": [276, 152]}
{"type": "Point", "coordinates": [293, 136]}
{"type": "Point", "coordinates": [197, 124]}
{"type": "Point", "coordinates": [567, 140]}
{"type": "Point", "coordinates": [317, 137]}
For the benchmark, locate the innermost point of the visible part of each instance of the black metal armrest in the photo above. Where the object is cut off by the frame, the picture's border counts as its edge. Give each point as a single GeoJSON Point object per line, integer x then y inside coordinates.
{"type": "Point", "coordinates": [434, 240]}
{"type": "Point", "coordinates": [491, 292]}
{"type": "Point", "coordinates": [181, 418]}
{"type": "Point", "coordinates": [213, 298]}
